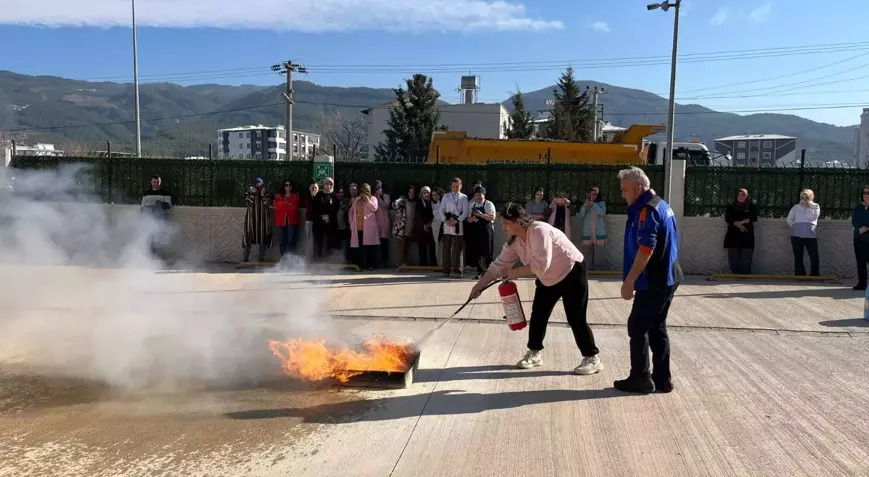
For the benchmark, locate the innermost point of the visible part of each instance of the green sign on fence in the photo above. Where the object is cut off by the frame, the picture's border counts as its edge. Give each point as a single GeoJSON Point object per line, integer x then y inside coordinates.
{"type": "Point", "coordinates": [323, 170]}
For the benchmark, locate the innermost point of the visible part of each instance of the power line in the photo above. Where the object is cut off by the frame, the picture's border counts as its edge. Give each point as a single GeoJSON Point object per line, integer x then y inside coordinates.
{"type": "Point", "coordinates": [512, 66]}
{"type": "Point", "coordinates": [773, 78]}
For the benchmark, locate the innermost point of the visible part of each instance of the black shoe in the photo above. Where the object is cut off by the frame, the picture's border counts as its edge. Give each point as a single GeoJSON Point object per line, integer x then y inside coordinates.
{"type": "Point", "coordinates": [859, 287]}
{"type": "Point", "coordinates": [663, 386]}
{"type": "Point", "coordinates": [635, 385]}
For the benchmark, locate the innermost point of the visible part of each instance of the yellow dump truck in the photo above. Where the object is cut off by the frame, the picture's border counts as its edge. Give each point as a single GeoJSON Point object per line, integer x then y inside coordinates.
{"type": "Point", "coordinates": [455, 147]}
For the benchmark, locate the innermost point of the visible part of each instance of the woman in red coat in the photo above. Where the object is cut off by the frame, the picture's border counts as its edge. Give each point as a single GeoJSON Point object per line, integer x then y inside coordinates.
{"type": "Point", "coordinates": [287, 217]}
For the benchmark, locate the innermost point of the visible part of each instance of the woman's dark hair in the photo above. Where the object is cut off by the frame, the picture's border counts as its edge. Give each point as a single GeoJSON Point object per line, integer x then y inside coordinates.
{"type": "Point", "coordinates": [599, 197]}
{"type": "Point", "coordinates": [862, 189]}
{"type": "Point", "coordinates": [536, 190]}
{"type": "Point", "coordinates": [440, 192]}
{"type": "Point", "coordinates": [744, 205]}
{"type": "Point", "coordinates": [515, 213]}
{"type": "Point", "coordinates": [287, 181]}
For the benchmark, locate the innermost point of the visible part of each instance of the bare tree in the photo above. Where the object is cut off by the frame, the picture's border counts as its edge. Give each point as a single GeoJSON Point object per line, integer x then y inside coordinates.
{"type": "Point", "coordinates": [348, 135]}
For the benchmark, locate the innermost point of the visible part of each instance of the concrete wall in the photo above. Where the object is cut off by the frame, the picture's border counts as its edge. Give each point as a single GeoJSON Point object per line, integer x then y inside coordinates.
{"type": "Point", "coordinates": [214, 235]}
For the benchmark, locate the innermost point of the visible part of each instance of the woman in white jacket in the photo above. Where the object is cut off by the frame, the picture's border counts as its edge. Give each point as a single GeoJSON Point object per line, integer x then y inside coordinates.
{"type": "Point", "coordinates": [803, 220]}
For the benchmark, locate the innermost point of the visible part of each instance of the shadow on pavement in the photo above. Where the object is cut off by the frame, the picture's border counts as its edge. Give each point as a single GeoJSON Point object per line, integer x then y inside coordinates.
{"type": "Point", "coordinates": [439, 403]}
{"type": "Point", "coordinates": [851, 322]}
{"type": "Point", "coordinates": [481, 372]}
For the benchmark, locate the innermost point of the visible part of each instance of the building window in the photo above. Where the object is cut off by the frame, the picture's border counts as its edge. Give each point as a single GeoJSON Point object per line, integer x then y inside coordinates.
{"type": "Point", "coordinates": [740, 156]}
{"type": "Point", "coordinates": [741, 144]}
{"type": "Point", "coordinates": [273, 155]}
{"type": "Point", "coordinates": [767, 156]}
{"type": "Point", "coordinates": [241, 146]}
{"type": "Point", "coordinates": [240, 134]}
{"type": "Point", "coordinates": [295, 137]}
{"type": "Point", "coordinates": [767, 144]}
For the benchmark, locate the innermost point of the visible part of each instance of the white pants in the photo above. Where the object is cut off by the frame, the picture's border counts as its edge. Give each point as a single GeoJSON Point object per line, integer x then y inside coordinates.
{"type": "Point", "coordinates": [435, 230]}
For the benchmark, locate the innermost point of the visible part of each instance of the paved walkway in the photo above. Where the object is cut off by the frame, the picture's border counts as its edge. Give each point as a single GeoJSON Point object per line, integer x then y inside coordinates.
{"type": "Point", "coordinates": [771, 380]}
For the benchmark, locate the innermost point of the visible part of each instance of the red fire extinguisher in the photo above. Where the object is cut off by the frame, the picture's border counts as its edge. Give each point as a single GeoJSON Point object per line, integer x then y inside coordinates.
{"type": "Point", "coordinates": [513, 312]}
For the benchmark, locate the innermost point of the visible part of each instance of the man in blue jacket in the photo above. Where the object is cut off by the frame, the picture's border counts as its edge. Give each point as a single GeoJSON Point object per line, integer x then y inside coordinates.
{"type": "Point", "coordinates": [651, 276]}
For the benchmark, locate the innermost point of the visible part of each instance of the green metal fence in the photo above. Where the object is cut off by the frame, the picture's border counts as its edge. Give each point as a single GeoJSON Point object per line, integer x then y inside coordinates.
{"type": "Point", "coordinates": [222, 182]}
{"type": "Point", "coordinates": [709, 190]}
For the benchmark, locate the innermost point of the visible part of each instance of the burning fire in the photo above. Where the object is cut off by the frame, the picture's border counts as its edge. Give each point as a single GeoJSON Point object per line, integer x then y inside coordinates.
{"type": "Point", "coordinates": [314, 361]}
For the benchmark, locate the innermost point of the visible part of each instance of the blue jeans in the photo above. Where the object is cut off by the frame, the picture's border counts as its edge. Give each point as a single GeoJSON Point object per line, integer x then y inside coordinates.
{"type": "Point", "coordinates": [289, 235]}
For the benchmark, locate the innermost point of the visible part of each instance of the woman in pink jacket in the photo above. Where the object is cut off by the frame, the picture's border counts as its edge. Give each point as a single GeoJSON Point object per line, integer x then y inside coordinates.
{"type": "Point", "coordinates": [365, 235]}
{"type": "Point", "coordinates": [383, 205]}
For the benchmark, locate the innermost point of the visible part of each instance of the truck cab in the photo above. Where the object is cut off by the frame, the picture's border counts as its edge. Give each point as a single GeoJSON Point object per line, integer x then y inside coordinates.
{"type": "Point", "coordinates": [695, 153]}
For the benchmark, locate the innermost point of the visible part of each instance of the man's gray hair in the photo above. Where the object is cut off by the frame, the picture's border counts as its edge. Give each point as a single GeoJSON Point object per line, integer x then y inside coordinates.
{"type": "Point", "coordinates": [329, 180]}
{"type": "Point", "coordinates": [636, 175]}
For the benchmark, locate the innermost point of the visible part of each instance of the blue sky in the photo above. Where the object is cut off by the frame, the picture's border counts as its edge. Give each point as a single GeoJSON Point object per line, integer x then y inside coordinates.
{"type": "Point", "coordinates": [343, 41]}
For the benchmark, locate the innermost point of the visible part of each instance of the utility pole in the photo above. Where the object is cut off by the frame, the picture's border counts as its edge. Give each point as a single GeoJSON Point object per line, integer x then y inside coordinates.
{"type": "Point", "coordinates": [136, 83]}
{"type": "Point", "coordinates": [288, 68]}
{"type": "Point", "coordinates": [596, 131]}
{"type": "Point", "coordinates": [671, 111]}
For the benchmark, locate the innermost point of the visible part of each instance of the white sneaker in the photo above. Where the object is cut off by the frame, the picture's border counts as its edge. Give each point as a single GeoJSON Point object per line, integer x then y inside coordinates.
{"type": "Point", "coordinates": [532, 359]}
{"type": "Point", "coordinates": [589, 365]}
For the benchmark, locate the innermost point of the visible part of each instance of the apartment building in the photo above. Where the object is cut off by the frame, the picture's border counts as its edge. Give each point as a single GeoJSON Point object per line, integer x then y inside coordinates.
{"type": "Point", "coordinates": [759, 150]}
{"type": "Point", "coordinates": [264, 143]}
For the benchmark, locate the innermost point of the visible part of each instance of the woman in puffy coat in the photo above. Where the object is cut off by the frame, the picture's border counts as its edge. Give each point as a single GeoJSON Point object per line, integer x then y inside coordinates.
{"type": "Point", "coordinates": [803, 219]}
{"type": "Point", "coordinates": [365, 233]}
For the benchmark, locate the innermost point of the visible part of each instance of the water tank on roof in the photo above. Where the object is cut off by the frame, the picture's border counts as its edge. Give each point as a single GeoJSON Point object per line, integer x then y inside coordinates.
{"type": "Point", "coordinates": [470, 82]}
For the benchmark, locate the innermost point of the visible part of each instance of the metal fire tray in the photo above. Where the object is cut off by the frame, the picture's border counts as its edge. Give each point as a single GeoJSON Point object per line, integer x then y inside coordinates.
{"type": "Point", "coordinates": [385, 379]}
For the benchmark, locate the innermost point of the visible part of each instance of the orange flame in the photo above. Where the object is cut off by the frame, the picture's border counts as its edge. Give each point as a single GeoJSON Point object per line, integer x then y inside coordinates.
{"type": "Point", "coordinates": [314, 361]}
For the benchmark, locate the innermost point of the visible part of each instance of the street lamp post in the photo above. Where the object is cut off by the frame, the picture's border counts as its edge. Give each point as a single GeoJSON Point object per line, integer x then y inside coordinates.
{"type": "Point", "coordinates": [136, 84]}
{"type": "Point", "coordinates": [671, 112]}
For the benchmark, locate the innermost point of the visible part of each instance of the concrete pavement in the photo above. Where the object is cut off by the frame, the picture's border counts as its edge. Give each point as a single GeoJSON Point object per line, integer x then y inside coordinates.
{"type": "Point", "coordinates": [771, 380]}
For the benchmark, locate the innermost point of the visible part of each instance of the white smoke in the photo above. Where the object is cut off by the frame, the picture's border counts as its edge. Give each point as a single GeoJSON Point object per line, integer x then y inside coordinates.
{"type": "Point", "coordinates": [82, 295]}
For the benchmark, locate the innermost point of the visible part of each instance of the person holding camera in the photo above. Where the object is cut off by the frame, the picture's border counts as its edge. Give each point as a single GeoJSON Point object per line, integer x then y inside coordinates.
{"type": "Point", "coordinates": [803, 220]}
{"type": "Point", "coordinates": [454, 211]}
{"type": "Point", "coordinates": [559, 215]}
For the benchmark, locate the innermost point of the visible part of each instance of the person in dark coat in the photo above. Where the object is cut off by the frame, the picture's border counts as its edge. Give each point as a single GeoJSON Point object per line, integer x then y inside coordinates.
{"type": "Point", "coordinates": [423, 232]}
{"type": "Point", "coordinates": [325, 220]}
{"type": "Point", "coordinates": [860, 222]}
{"type": "Point", "coordinates": [480, 232]}
{"type": "Point", "coordinates": [257, 220]}
{"type": "Point", "coordinates": [739, 239]}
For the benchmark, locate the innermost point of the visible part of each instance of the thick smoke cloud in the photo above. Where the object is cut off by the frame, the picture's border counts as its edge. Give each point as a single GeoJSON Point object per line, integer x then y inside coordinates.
{"type": "Point", "coordinates": [82, 295]}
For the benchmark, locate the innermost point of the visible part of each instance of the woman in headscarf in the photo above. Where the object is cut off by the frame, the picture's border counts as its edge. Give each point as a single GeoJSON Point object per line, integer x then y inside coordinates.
{"type": "Point", "coordinates": [257, 220]}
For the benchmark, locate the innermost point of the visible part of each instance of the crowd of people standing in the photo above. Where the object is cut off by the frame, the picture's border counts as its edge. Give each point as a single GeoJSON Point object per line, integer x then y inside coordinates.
{"type": "Point", "coordinates": [450, 229]}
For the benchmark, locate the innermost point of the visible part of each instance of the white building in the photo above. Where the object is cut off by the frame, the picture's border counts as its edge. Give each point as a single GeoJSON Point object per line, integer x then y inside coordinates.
{"type": "Point", "coordinates": [759, 150]}
{"type": "Point", "coordinates": [482, 120]}
{"type": "Point", "coordinates": [861, 140]}
{"type": "Point", "coordinates": [39, 149]}
{"type": "Point", "coordinates": [264, 142]}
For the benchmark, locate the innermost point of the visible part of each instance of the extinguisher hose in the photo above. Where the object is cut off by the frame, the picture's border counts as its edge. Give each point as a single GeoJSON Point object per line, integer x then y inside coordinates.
{"type": "Point", "coordinates": [441, 325]}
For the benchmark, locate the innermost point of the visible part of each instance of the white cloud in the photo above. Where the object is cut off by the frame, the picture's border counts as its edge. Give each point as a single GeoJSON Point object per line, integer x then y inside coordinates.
{"type": "Point", "coordinates": [720, 16]}
{"type": "Point", "coordinates": [283, 15]}
{"type": "Point", "coordinates": [761, 13]}
{"type": "Point", "coordinates": [600, 26]}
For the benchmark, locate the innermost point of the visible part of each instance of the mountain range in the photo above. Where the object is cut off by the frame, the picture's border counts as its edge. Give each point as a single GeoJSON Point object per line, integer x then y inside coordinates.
{"type": "Point", "coordinates": [75, 113]}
